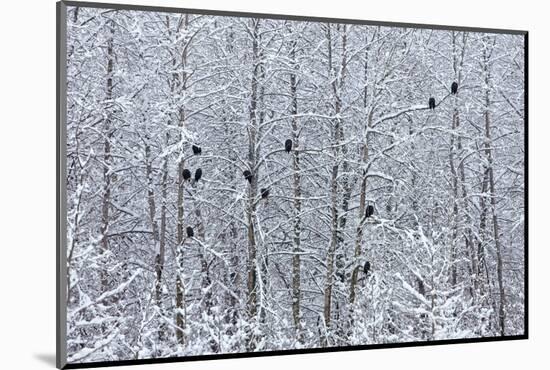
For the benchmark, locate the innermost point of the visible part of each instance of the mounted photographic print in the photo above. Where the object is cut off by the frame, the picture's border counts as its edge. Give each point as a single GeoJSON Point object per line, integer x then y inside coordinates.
{"type": "Point", "coordinates": [236, 184]}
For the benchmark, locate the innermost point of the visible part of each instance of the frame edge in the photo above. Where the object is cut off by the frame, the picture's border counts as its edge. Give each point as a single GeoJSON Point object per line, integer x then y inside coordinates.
{"type": "Point", "coordinates": [61, 234]}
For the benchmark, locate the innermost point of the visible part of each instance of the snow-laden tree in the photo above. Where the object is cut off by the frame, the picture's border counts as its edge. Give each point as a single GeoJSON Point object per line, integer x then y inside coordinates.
{"type": "Point", "coordinates": [228, 180]}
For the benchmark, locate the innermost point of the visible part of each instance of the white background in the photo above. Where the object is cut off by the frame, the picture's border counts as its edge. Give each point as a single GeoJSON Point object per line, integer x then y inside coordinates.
{"type": "Point", "coordinates": [27, 182]}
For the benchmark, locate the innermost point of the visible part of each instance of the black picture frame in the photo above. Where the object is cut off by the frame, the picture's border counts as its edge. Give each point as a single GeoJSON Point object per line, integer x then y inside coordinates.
{"type": "Point", "coordinates": [61, 206]}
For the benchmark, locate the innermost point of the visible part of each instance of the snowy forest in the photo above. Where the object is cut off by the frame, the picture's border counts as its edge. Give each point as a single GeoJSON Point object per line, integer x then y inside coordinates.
{"type": "Point", "coordinates": [237, 184]}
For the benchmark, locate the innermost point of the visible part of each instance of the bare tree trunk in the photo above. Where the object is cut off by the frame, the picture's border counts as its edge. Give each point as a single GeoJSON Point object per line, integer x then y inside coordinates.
{"type": "Point", "coordinates": [458, 62]}
{"type": "Point", "coordinates": [296, 185]}
{"type": "Point", "coordinates": [461, 183]}
{"type": "Point", "coordinates": [336, 132]}
{"type": "Point", "coordinates": [152, 212]}
{"type": "Point", "coordinates": [180, 285]}
{"type": "Point", "coordinates": [331, 250]}
{"type": "Point", "coordinates": [496, 234]}
{"type": "Point", "coordinates": [337, 87]}
{"type": "Point", "coordinates": [263, 288]}
{"type": "Point", "coordinates": [468, 220]}
{"type": "Point", "coordinates": [107, 157]}
{"type": "Point", "coordinates": [150, 192]}
{"type": "Point", "coordinates": [180, 289]}
{"type": "Point", "coordinates": [160, 257]}
{"type": "Point", "coordinates": [502, 296]}
{"type": "Point", "coordinates": [206, 281]}
{"type": "Point", "coordinates": [456, 147]}
{"type": "Point", "coordinates": [359, 231]}
{"type": "Point", "coordinates": [252, 264]}
{"type": "Point", "coordinates": [481, 253]}
{"type": "Point", "coordinates": [454, 221]}
{"type": "Point", "coordinates": [230, 237]}
{"type": "Point", "coordinates": [162, 236]}
{"type": "Point", "coordinates": [492, 194]}
{"type": "Point", "coordinates": [341, 245]}
{"type": "Point", "coordinates": [362, 195]}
